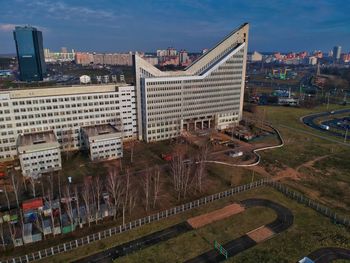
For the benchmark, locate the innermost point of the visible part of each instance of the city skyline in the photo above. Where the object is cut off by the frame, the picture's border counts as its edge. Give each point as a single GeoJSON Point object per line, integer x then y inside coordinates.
{"type": "Point", "coordinates": [280, 26]}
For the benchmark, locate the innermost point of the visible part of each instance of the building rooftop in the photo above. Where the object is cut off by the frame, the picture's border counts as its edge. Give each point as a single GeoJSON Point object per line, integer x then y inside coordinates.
{"type": "Point", "coordinates": [101, 129]}
{"type": "Point", "coordinates": [36, 138]}
{"type": "Point", "coordinates": [61, 90]}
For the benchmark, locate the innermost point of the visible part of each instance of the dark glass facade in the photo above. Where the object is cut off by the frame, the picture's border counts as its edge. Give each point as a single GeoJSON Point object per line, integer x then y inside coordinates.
{"type": "Point", "coordinates": [30, 53]}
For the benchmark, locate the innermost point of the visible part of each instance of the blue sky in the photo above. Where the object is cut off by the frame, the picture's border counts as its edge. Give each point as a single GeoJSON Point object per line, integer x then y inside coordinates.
{"type": "Point", "coordinates": [145, 25]}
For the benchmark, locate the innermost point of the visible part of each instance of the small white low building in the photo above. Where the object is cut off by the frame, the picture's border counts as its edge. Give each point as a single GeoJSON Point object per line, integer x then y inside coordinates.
{"type": "Point", "coordinates": [104, 142]}
{"type": "Point", "coordinates": [39, 153]}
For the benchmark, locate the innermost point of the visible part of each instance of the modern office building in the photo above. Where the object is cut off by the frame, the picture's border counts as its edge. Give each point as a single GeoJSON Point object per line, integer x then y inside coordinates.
{"type": "Point", "coordinates": [64, 110]}
{"type": "Point", "coordinates": [336, 53]}
{"type": "Point", "coordinates": [30, 53]}
{"type": "Point", "coordinates": [207, 94]}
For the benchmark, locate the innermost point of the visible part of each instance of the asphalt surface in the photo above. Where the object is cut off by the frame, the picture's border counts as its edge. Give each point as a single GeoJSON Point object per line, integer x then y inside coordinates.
{"type": "Point", "coordinates": [283, 221]}
{"type": "Point", "coordinates": [137, 244]}
{"type": "Point", "coordinates": [309, 120]}
{"type": "Point", "coordinates": [328, 254]}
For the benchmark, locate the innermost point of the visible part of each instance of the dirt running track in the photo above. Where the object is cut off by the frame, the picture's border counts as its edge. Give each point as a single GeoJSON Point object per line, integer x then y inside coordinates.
{"type": "Point", "coordinates": [283, 221]}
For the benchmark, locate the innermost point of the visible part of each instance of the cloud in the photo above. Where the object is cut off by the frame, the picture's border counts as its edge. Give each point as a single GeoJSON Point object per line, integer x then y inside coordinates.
{"type": "Point", "coordinates": [7, 27]}
{"type": "Point", "coordinates": [11, 27]}
{"type": "Point", "coordinates": [61, 10]}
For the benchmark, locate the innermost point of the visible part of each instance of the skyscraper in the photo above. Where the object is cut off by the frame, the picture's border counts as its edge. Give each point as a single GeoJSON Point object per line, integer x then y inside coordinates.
{"type": "Point", "coordinates": [336, 53]}
{"type": "Point", "coordinates": [30, 53]}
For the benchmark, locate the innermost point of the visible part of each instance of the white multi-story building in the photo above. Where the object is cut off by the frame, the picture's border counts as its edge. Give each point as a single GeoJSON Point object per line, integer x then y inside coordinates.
{"type": "Point", "coordinates": [104, 142]}
{"type": "Point", "coordinates": [64, 110]}
{"type": "Point", "coordinates": [39, 153]}
{"type": "Point", "coordinates": [208, 93]}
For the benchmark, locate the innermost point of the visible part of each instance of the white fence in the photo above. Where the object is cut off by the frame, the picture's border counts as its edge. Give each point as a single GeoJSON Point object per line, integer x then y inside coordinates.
{"type": "Point", "coordinates": [133, 224]}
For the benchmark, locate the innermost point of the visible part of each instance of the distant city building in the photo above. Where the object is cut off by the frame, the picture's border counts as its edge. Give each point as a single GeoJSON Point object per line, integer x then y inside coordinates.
{"type": "Point", "coordinates": [312, 60]}
{"type": "Point", "coordinates": [59, 56]}
{"type": "Point", "coordinates": [161, 53]}
{"type": "Point", "coordinates": [152, 60]}
{"type": "Point", "coordinates": [318, 54]}
{"type": "Point", "coordinates": [86, 58]}
{"type": "Point", "coordinates": [345, 58]}
{"type": "Point", "coordinates": [184, 59]}
{"type": "Point", "coordinates": [30, 53]}
{"type": "Point", "coordinates": [336, 53]}
{"type": "Point", "coordinates": [83, 58]}
{"type": "Point", "coordinates": [330, 53]}
{"type": "Point", "coordinates": [255, 56]}
{"type": "Point", "coordinates": [277, 55]}
{"type": "Point", "coordinates": [64, 50]}
{"type": "Point", "coordinates": [171, 52]}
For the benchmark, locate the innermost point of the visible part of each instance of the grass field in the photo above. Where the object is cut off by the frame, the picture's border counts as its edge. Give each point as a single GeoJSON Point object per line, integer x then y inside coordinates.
{"type": "Point", "coordinates": [309, 232]}
{"type": "Point", "coordinates": [322, 165]}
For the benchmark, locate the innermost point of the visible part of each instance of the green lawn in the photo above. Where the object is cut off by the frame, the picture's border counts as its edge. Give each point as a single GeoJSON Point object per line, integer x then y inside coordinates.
{"type": "Point", "coordinates": [328, 180]}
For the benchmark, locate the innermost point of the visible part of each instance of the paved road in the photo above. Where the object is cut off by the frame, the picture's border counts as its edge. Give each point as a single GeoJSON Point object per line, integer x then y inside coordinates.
{"type": "Point", "coordinates": [309, 120]}
{"type": "Point", "coordinates": [328, 254]}
{"type": "Point", "coordinates": [283, 221]}
{"type": "Point", "coordinates": [137, 244]}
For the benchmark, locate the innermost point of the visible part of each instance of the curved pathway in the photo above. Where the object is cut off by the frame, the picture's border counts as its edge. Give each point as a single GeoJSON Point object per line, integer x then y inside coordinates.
{"type": "Point", "coordinates": [283, 221]}
{"type": "Point", "coordinates": [255, 151]}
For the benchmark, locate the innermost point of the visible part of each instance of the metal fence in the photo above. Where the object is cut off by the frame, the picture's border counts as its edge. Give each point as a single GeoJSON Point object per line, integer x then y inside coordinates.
{"type": "Point", "coordinates": [133, 224]}
{"type": "Point", "coordinates": [300, 198]}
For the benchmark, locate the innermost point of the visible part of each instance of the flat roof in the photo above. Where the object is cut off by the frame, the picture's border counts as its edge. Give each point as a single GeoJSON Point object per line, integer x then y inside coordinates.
{"type": "Point", "coordinates": [37, 138]}
{"type": "Point", "coordinates": [61, 90]}
{"type": "Point", "coordinates": [99, 129]}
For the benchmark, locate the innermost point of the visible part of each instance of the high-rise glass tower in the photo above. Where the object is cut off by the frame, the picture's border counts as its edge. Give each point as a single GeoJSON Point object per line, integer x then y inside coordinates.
{"type": "Point", "coordinates": [336, 53]}
{"type": "Point", "coordinates": [30, 53]}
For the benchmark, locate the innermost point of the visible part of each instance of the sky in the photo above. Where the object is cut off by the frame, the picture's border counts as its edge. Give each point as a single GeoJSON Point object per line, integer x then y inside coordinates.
{"type": "Point", "coordinates": [147, 25]}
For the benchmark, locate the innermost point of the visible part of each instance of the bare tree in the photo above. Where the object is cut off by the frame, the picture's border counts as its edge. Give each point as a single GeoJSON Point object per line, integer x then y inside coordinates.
{"type": "Point", "coordinates": [59, 197]}
{"type": "Point", "coordinates": [76, 196]}
{"type": "Point", "coordinates": [98, 186]}
{"type": "Point", "coordinates": [156, 185]}
{"type": "Point", "coordinates": [85, 193]}
{"type": "Point", "coordinates": [132, 146]}
{"type": "Point", "coordinates": [200, 167]}
{"type": "Point", "coordinates": [126, 193]}
{"type": "Point", "coordinates": [181, 174]}
{"type": "Point", "coordinates": [12, 230]}
{"type": "Point", "coordinates": [32, 185]}
{"type": "Point", "coordinates": [115, 189]}
{"type": "Point", "coordinates": [146, 183]}
{"type": "Point", "coordinates": [7, 198]}
{"type": "Point", "coordinates": [16, 186]}
{"type": "Point", "coordinates": [2, 234]}
{"type": "Point", "coordinates": [49, 197]}
{"type": "Point", "coordinates": [68, 203]}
